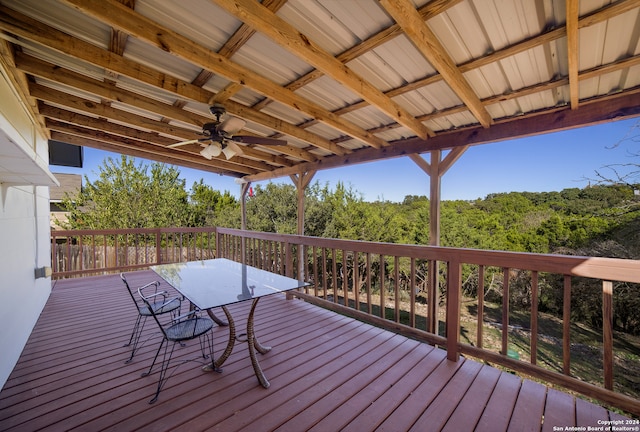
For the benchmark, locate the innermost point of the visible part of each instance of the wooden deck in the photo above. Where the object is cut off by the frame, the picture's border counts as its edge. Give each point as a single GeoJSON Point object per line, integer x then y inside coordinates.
{"type": "Point", "coordinates": [327, 373]}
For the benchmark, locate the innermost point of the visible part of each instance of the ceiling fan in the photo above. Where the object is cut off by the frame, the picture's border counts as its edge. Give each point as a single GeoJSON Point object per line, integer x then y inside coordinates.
{"type": "Point", "coordinates": [222, 138]}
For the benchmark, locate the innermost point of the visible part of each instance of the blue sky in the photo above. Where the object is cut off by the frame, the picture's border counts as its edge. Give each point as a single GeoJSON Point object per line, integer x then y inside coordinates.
{"type": "Point", "coordinates": [543, 163]}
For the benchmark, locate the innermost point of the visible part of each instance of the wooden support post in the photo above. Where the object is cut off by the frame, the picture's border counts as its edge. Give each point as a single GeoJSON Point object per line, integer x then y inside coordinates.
{"type": "Point", "coordinates": [301, 180]}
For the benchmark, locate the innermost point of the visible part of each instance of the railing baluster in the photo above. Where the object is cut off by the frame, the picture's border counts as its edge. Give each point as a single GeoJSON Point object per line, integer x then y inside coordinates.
{"type": "Point", "coordinates": [412, 293]}
{"type": "Point", "coordinates": [396, 288]}
{"type": "Point", "coordinates": [566, 326]}
{"type": "Point", "coordinates": [369, 305]}
{"type": "Point", "coordinates": [454, 286]}
{"type": "Point", "coordinates": [607, 333]}
{"type": "Point", "coordinates": [356, 280]}
{"type": "Point", "coordinates": [334, 285]}
{"type": "Point", "coordinates": [382, 288]}
{"type": "Point", "coordinates": [534, 317]}
{"type": "Point", "coordinates": [345, 277]}
{"type": "Point", "coordinates": [505, 310]}
{"type": "Point", "coordinates": [480, 295]}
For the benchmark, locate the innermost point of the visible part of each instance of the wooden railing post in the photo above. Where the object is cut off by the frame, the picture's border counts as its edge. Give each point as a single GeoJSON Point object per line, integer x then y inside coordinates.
{"type": "Point", "coordinates": [454, 285]}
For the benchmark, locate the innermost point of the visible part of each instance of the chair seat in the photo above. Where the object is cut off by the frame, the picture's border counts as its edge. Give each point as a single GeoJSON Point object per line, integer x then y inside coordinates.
{"type": "Point", "coordinates": [160, 307]}
{"type": "Point", "coordinates": [189, 329]}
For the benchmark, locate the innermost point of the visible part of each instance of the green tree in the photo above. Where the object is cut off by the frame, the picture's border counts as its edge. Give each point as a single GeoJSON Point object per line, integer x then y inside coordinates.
{"type": "Point", "coordinates": [210, 207]}
{"type": "Point", "coordinates": [127, 195]}
{"type": "Point", "coordinates": [273, 208]}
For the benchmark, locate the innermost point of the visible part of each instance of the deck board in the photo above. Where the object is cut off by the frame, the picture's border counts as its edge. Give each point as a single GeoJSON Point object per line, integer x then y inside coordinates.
{"type": "Point", "coordinates": [529, 410]}
{"type": "Point", "coordinates": [327, 372]}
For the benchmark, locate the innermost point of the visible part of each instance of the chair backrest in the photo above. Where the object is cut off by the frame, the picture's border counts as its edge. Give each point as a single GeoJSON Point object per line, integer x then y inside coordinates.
{"type": "Point", "coordinates": [152, 311]}
{"type": "Point", "coordinates": [131, 294]}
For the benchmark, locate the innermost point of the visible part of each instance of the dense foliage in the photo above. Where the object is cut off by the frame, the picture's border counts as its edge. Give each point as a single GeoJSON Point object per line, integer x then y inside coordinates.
{"type": "Point", "coordinates": [602, 220]}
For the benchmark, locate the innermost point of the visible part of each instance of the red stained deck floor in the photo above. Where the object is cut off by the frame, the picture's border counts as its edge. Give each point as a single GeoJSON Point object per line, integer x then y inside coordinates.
{"type": "Point", "coordinates": [327, 373]}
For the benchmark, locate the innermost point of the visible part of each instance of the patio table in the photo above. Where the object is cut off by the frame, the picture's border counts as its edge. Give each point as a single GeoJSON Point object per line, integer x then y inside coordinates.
{"type": "Point", "coordinates": [221, 282]}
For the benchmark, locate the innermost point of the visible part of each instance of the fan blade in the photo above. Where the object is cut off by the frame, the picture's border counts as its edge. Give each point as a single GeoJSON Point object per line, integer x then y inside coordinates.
{"type": "Point", "coordinates": [232, 125]}
{"type": "Point", "coordinates": [195, 141]}
{"type": "Point", "coordinates": [250, 139]}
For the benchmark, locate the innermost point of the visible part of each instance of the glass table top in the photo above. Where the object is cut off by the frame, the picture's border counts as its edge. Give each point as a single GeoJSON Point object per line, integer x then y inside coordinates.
{"type": "Point", "coordinates": [219, 282]}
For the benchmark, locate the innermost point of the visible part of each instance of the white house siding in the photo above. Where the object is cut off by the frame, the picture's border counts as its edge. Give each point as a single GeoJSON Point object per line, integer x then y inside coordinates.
{"type": "Point", "coordinates": [24, 224]}
{"type": "Point", "coordinates": [24, 229]}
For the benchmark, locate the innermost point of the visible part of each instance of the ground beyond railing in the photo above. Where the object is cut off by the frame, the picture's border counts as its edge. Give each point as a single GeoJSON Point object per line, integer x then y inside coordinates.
{"type": "Point", "coordinates": [89, 252]}
{"type": "Point", "coordinates": [410, 289]}
{"type": "Point", "coordinates": [406, 288]}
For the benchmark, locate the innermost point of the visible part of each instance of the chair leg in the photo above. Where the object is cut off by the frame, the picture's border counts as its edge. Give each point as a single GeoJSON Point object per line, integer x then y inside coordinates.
{"type": "Point", "coordinates": [135, 335]}
{"type": "Point", "coordinates": [144, 374]}
{"type": "Point", "coordinates": [162, 379]}
{"type": "Point", "coordinates": [133, 332]}
{"type": "Point", "coordinates": [209, 341]}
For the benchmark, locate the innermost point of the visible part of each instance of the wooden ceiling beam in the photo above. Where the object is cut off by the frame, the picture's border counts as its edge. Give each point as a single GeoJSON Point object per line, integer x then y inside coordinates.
{"type": "Point", "coordinates": [237, 41]}
{"type": "Point", "coordinates": [288, 37]}
{"type": "Point", "coordinates": [71, 117]}
{"type": "Point", "coordinates": [427, 43]}
{"type": "Point", "coordinates": [114, 14]}
{"type": "Point", "coordinates": [427, 11]}
{"type": "Point", "coordinates": [125, 132]}
{"type": "Point", "coordinates": [82, 105]}
{"type": "Point", "coordinates": [177, 157]}
{"type": "Point", "coordinates": [616, 107]}
{"type": "Point", "coordinates": [16, 23]}
{"type": "Point", "coordinates": [136, 151]}
{"type": "Point", "coordinates": [572, 8]}
{"type": "Point", "coordinates": [42, 69]}
{"type": "Point", "coordinates": [600, 15]}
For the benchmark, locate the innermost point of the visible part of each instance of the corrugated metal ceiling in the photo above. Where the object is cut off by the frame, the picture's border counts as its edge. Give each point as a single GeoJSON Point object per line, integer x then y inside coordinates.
{"type": "Point", "coordinates": [513, 56]}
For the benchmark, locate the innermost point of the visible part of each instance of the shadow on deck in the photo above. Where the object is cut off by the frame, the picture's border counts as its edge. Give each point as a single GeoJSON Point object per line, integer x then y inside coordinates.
{"type": "Point", "coordinates": [327, 373]}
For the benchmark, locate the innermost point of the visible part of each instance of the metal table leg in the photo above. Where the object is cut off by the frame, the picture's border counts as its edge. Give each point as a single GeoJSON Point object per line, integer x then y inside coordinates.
{"type": "Point", "coordinates": [216, 319]}
{"type": "Point", "coordinates": [230, 343]}
{"type": "Point", "coordinates": [254, 345]}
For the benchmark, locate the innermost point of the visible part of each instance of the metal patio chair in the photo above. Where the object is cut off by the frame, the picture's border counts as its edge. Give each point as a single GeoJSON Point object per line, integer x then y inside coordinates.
{"type": "Point", "coordinates": [183, 328]}
{"type": "Point", "coordinates": [160, 303]}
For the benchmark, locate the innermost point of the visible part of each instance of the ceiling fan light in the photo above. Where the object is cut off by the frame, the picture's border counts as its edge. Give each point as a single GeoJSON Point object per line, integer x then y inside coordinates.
{"type": "Point", "coordinates": [210, 151]}
{"type": "Point", "coordinates": [228, 152]}
{"type": "Point", "coordinates": [232, 149]}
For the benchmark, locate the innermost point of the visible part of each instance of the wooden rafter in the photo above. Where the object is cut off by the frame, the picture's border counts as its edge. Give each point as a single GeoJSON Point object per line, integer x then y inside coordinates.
{"type": "Point", "coordinates": [572, 50]}
{"type": "Point", "coordinates": [260, 18]}
{"type": "Point", "coordinates": [620, 106]}
{"type": "Point", "coordinates": [23, 26]}
{"type": "Point", "coordinates": [414, 26]}
{"type": "Point", "coordinates": [114, 14]}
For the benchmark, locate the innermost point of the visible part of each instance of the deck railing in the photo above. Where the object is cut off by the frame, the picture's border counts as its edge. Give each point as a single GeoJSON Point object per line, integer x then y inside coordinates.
{"type": "Point", "coordinates": [413, 290]}
{"type": "Point", "coordinates": [77, 253]}
{"type": "Point", "coordinates": [418, 291]}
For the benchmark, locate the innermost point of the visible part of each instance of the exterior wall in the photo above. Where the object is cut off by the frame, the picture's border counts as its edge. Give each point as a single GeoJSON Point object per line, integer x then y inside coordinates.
{"type": "Point", "coordinates": [24, 223]}
{"type": "Point", "coordinates": [24, 229]}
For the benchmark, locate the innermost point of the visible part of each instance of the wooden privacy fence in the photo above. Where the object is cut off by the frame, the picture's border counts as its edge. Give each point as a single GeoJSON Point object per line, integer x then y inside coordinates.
{"type": "Point", "coordinates": [89, 252]}
{"type": "Point", "coordinates": [418, 291]}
